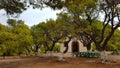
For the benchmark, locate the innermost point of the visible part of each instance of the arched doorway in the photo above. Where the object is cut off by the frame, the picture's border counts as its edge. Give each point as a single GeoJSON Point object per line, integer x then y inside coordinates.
{"type": "Point", "coordinates": [75, 46]}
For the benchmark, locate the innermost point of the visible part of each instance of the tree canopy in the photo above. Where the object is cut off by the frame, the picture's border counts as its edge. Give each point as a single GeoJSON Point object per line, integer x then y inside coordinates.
{"type": "Point", "coordinates": [13, 7]}
{"type": "Point", "coordinates": [85, 14]}
{"type": "Point", "coordinates": [15, 39]}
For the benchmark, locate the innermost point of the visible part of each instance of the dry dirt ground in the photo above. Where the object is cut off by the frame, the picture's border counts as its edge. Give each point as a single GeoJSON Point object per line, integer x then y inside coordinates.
{"type": "Point", "coordinates": [46, 62]}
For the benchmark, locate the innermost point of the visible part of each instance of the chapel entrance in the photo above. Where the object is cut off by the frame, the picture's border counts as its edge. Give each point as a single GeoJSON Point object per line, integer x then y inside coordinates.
{"type": "Point", "coordinates": [75, 46]}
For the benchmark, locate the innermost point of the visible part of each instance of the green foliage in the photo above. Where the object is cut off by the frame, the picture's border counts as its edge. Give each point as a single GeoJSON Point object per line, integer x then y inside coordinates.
{"type": "Point", "coordinates": [48, 34]}
{"type": "Point", "coordinates": [85, 14]}
{"type": "Point", "coordinates": [24, 37]}
{"type": "Point", "coordinates": [12, 6]}
{"type": "Point", "coordinates": [16, 39]}
{"type": "Point", "coordinates": [114, 41]}
{"type": "Point", "coordinates": [93, 47]}
{"type": "Point", "coordinates": [42, 49]}
{"type": "Point", "coordinates": [57, 47]}
{"type": "Point", "coordinates": [7, 40]}
{"type": "Point", "coordinates": [39, 37]}
{"type": "Point", "coordinates": [81, 7]}
{"type": "Point", "coordinates": [11, 22]}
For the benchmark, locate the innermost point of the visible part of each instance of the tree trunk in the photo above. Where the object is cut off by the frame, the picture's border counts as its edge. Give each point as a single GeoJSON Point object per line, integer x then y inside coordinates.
{"type": "Point", "coordinates": [46, 48]}
{"type": "Point", "coordinates": [66, 49]}
{"type": "Point", "coordinates": [103, 53]}
{"type": "Point", "coordinates": [61, 57]}
{"type": "Point", "coordinates": [51, 49]}
{"type": "Point", "coordinates": [4, 55]}
{"type": "Point", "coordinates": [36, 53]}
{"type": "Point", "coordinates": [66, 45]}
{"type": "Point", "coordinates": [37, 50]}
{"type": "Point", "coordinates": [88, 47]}
{"type": "Point", "coordinates": [51, 54]}
{"type": "Point", "coordinates": [104, 56]}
